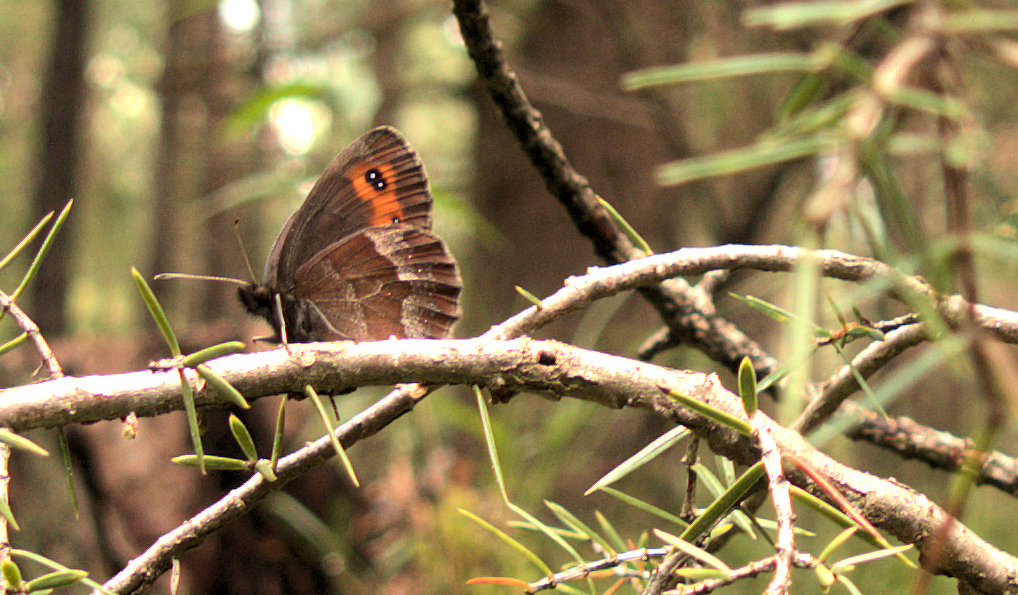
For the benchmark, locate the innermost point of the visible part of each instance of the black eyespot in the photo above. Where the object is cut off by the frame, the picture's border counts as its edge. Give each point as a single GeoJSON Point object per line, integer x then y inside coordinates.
{"type": "Point", "coordinates": [395, 220]}
{"type": "Point", "coordinates": [375, 179]}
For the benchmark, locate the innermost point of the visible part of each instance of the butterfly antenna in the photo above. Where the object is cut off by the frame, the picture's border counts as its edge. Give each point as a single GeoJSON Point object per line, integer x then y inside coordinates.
{"type": "Point", "coordinates": [243, 252]}
{"type": "Point", "coordinates": [165, 276]}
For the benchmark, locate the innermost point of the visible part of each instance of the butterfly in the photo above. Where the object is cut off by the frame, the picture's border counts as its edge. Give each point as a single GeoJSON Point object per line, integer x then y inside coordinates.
{"type": "Point", "coordinates": [358, 261]}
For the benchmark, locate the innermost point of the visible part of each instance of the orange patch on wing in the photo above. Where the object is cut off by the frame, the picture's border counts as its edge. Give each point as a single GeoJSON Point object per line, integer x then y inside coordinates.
{"type": "Point", "coordinates": [383, 203]}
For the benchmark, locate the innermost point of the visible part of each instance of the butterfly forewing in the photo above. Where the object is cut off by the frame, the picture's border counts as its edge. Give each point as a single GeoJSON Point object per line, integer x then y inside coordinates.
{"type": "Point", "coordinates": [377, 181]}
{"type": "Point", "coordinates": [382, 282]}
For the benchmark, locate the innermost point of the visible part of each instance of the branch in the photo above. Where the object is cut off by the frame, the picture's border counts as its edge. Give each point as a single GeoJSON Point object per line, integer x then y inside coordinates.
{"type": "Point", "coordinates": [937, 449]}
{"type": "Point", "coordinates": [525, 121]}
{"type": "Point", "coordinates": [578, 292]}
{"type": "Point", "coordinates": [676, 303]}
{"type": "Point", "coordinates": [146, 568]}
{"type": "Point", "coordinates": [96, 398]}
{"type": "Point", "coordinates": [512, 365]}
{"type": "Point", "coordinates": [903, 436]}
{"type": "Point", "coordinates": [586, 569]}
{"type": "Point", "coordinates": [32, 331]}
{"type": "Point", "coordinates": [748, 571]}
{"type": "Point", "coordinates": [782, 498]}
{"type": "Point", "coordinates": [843, 382]}
{"type": "Point", "coordinates": [560, 370]}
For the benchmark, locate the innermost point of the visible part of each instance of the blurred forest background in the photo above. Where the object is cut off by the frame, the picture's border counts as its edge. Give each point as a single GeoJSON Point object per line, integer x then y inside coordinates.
{"type": "Point", "coordinates": [167, 121]}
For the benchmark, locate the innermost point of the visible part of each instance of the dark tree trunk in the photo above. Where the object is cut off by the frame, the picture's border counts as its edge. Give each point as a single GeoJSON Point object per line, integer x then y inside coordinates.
{"type": "Point", "coordinates": [62, 103]}
{"type": "Point", "coordinates": [166, 181]}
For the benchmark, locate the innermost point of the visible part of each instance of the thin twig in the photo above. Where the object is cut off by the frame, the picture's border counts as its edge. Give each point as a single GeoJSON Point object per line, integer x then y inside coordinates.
{"type": "Point", "coordinates": [662, 575]}
{"type": "Point", "coordinates": [748, 571]}
{"type": "Point", "coordinates": [583, 570]}
{"type": "Point", "coordinates": [884, 326]}
{"type": "Point", "coordinates": [689, 459]}
{"type": "Point", "coordinates": [843, 383]}
{"type": "Point", "coordinates": [659, 341]}
{"type": "Point", "coordinates": [147, 567]}
{"type": "Point", "coordinates": [713, 281]}
{"type": "Point", "coordinates": [782, 497]}
{"type": "Point", "coordinates": [7, 304]}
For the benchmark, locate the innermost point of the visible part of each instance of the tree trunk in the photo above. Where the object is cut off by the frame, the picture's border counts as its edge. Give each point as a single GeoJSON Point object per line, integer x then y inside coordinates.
{"type": "Point", "coordinates": [62, 102]}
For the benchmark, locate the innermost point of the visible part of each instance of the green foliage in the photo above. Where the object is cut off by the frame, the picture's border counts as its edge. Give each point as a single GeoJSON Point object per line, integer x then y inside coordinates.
{"type": "Point", "coordinates": [645, 455]}
{"type": "Point", "coordinates": [330, 427]}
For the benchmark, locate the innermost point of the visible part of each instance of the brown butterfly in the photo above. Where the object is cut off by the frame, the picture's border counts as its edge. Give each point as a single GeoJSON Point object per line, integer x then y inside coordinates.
{"type": "Point", "coordinates": [357, 261]}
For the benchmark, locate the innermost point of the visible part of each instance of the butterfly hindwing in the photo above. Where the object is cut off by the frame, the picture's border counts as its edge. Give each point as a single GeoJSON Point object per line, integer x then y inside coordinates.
{"type": "Point", "coordinates": [382, 282]}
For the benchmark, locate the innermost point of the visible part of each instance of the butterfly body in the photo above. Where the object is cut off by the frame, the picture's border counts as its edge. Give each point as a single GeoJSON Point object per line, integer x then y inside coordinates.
{"type": "Point", "coordinates": [357, 261]}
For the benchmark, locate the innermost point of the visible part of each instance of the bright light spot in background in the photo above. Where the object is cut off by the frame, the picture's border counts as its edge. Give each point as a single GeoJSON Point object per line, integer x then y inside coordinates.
{"type": "Point", "coordinates": [240, 15]}
{"type": "Point", "coordinates": [451, 31]}
{"type": "Point", "coordinates": [297, 123]}
{"type": "Point", "coordinates": [105, 71]}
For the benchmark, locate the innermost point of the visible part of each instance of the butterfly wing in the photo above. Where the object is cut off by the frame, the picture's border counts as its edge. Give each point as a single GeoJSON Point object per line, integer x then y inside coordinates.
{"type": "Point", "coordinates": [378, 180]}
{"type": "Point", "coordinates": [392, 281]}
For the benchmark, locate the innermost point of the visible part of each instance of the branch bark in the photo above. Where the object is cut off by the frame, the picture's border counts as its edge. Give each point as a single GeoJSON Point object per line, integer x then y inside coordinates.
{"type": "Point", "coordinates": [559, 370]}
{"type": "Point", "coordinates": [69, 400]}
{"type": "Point", "coordinates": [507, 366]}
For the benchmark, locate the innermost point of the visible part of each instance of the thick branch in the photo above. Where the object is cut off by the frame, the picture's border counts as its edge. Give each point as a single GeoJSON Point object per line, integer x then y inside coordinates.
{"type": "Point", "coordinates": [560, 370]}
{"type": "Point", "coordinates": [96, 398]}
